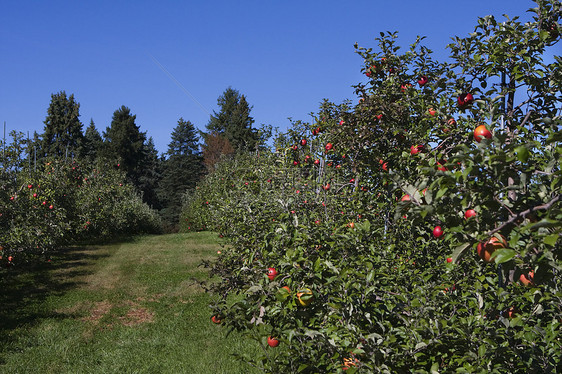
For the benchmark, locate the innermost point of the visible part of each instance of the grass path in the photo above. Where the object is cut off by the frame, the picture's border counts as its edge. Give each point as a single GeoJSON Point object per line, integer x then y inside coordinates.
{"type": "Point", "coordinates": [131, 307]}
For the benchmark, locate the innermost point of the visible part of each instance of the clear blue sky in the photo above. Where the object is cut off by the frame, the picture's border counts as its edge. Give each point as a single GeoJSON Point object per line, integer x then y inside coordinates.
{"type": "Point", "coordinates": [285, 56]}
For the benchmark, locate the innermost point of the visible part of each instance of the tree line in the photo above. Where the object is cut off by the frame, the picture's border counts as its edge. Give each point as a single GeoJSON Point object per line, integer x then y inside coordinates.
{"type": "Point", "coordinates": [161, 179]}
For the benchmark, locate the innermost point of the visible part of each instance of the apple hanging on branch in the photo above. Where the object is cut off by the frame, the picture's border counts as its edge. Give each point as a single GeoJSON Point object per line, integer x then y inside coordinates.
{"type": "Point", "coordinates": [465, 100]}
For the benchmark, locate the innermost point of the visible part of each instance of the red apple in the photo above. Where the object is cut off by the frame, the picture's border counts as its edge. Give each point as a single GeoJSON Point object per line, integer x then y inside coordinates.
{"type": "Point", "coordinates": [465, 99]}
{"type": "Point", "coordinates": [437, 232]}
{"type": "Point", "coordinates": [527, 279]}
{"type": "Point", "coordinates": [481, 132]}
{"type": "Point", "coordinates": [469, 213]}
{"type": "Point", "coordinates": [405, 86]}
{"type": "Point", "coordinates": [303, 142]}
{"type": "Point", "coordinates": [449, 259]}
{"type": "Point", "coordinates": [488, 247]}
{"type": "Point", "coordinates": [271, 273]}
{"type": "Point", "coordinates": [329, 146]}
{"type": "Point", "coordinates": [272, 342]}
{"type": "Point", "coordinates": [422, 80]}
{"type": "Point", "coordinates": [316, 162]}
{"type": "Point", "coordinates": [415, 149]}
{"type": "Point", "coordinates": [441, 167]}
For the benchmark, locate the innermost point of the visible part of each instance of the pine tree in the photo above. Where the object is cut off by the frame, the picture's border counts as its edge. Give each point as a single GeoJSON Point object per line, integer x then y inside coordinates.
{"type": "Point", "coordinates": [63, 130]}
{"type": "Point", "coordinates": [92, 143]}
{"type": "Point", "coordinates": [150, 175]}
{"type": "Point", "coordinates": [124, 144]}
{"type": "Point", "coordinates": [233, 121]}
{"type": "Point", "coordinates": [182, 170]}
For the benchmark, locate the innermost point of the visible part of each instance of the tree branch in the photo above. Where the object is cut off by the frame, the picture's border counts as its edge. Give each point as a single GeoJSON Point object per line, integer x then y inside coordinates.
{"type": "Point", "coordinates": [525, 213]}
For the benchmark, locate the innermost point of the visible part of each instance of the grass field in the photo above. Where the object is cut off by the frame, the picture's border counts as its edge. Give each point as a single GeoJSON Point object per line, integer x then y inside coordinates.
{"type": "Point", "coordinates": [131, 307]}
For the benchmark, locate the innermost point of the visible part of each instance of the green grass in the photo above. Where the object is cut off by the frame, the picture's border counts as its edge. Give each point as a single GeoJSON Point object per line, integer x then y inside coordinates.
{"type": "Point", "coordinates": [132, 307]}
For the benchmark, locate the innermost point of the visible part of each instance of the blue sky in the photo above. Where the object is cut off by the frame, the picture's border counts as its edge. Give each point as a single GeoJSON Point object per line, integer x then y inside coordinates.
{"type": "Point", "coordinates": [285, 56]}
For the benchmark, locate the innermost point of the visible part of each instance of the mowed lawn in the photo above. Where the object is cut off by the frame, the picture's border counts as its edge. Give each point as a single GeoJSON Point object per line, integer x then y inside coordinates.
{"type": "Point", "coordinates": [131, 307]}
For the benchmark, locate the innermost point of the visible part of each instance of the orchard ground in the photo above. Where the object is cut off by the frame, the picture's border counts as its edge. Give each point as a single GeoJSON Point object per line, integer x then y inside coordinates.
{"type": "Point", "coordinates": [133, 306]}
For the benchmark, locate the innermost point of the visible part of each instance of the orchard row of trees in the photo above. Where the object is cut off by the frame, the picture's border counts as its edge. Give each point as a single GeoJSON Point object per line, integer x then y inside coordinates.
{"type": "Point", "coordinates": [414, 230]}
{"type": "Point", "coordinates": [161, 179]}
{"type": "Point", "coordinates": [57, 203]}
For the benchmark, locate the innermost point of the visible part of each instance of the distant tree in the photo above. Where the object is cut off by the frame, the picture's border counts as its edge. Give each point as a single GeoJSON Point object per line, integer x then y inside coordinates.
{"type": "Point", "coordinates": [150, 174]}
{"type": "Point", "coordinates": [92, 143]}
{"type": "Point", "coordinates": [63, 130]}
{"type": "Point", "coordinates": [183, 168]}
{"type": "Point", "coordinates": [124, 144]}
{"type": "Point", "coordinates": [233, 121]}
{"type": "Point", "coordinates": [216, 145]}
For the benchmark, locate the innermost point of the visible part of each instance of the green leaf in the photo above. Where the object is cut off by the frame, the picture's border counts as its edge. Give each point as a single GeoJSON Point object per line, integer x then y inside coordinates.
{"type": "Point", "coordinates": [282, 294]}
{"type": "Point", "coordinates": [522, 153]}
{"type": "Point", "coordinates": [503, 255]}
{"type": "Point", "coordinates": [441, 192]}
{"type": "Point", "coordinates": [255, 289]}
{"type": "Point", "coordinates": [459, 250]}
{"type": "Point", "coordinates": [551, 239]}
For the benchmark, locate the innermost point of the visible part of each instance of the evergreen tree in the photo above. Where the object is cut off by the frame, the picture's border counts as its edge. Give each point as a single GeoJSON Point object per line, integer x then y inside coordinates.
{"type": "Point", "coordinates": [124, 144]}
{"type": "Point", "coordinates": [92, 143]}
{"type": "Point", "coordinates": [182, 169]}
{"type": "Point", "coordinates": [63, 130]}
{"type": "Point", "coordinates": [150, 174]}
{"type": "Point", "coordinates": [233, 121]}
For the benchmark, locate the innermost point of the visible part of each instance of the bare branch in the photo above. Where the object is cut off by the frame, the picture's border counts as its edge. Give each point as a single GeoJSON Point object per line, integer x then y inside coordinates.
{"type": "Point", "coordinates": [525, 213]}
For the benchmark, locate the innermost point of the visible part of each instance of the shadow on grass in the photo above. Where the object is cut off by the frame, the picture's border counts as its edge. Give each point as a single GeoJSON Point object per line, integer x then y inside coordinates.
{"type": "Point", "coordinates": [24, 289]}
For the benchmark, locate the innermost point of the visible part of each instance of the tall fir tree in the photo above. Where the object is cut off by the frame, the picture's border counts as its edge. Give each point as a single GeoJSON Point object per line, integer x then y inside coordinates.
{"type": "Point", "coordinates": [183, 168]}
{"type": "Point", "coordinates": [124, 144]}
{"type": "Point", "coordinates": [150, 174]}
{"type": "Point", "coordinates": [92, 143]}
{"type": "Point", "coordinates": [63, 130]}
{"type": "Point", "coordinates": [233, 121]}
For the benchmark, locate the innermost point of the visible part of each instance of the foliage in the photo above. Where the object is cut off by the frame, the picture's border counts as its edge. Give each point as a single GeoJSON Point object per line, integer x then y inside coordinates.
{"type": "Point", "coordinates": [91, 144]}
{"type": "Point", "coordinates": [128, 147]}
{"type": "Point", "coordinates": [183, 168]}
{"type": "Point", "coordinates": [215, 147]}
{"type": "Point", "coordinates": [345, 210]}
{"type": "Point", "coordinates": [63, 129]}
{"type": "Point", "coordinates": [54, 203]}
{"type": "Point", "coordinates": [233, 121]}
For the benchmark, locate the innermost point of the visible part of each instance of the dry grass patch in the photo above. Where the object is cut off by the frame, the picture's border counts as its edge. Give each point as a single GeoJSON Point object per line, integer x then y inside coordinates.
{"type": "Point", "coordinates": [99, 310]}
